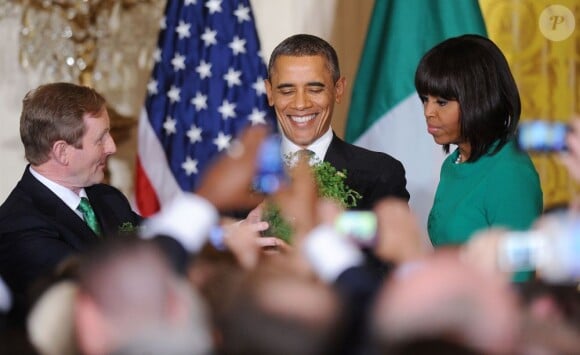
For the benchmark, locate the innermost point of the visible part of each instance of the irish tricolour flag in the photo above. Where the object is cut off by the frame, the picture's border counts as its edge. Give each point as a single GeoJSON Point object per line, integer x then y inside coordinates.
{"type": "Point", "coordinates": [385, 113]}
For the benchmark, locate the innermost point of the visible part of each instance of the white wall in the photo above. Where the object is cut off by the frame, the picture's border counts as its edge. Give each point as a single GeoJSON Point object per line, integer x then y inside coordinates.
{"type": "Point", "coordinates": [14, 83]}
{"type": "Point", "coordinates": [278, 19]}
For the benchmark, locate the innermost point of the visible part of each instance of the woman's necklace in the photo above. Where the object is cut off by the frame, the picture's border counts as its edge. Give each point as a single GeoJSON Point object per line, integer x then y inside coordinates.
{"type": "Point", "coordinates": [458, 160]}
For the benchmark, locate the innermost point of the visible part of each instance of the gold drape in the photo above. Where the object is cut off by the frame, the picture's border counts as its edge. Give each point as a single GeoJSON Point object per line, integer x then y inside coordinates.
{"type": "Point", "coordinates": [546, 71]}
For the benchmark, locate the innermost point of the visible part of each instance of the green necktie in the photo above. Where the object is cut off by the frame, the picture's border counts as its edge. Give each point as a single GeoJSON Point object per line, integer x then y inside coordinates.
{"type": "Point", "coordinates": [89, 215]}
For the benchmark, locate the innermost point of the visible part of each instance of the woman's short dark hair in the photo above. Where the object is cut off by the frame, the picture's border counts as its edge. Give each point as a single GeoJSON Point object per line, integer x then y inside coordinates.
{"type": "Point", "coordinates": [472, 70]}
{"type": "Point", "coordinates": [301, 45]}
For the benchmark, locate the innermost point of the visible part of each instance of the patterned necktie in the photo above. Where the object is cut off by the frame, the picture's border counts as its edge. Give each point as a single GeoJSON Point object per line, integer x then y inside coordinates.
{"type": "Point", "coordinates": [89, 215]}
{"type": "Point", "coordinates": [305, 153]}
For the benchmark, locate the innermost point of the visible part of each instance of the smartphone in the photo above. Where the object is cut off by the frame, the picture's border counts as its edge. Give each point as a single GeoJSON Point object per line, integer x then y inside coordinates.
{"type": "Point", "coordinates": [360, 226]}
{"type": "Point", "coordinates": [271, 170]}
{"type": "Point", "coordinates": [540, 136]}
{"type": "Point", "coordinates": [520, 251]}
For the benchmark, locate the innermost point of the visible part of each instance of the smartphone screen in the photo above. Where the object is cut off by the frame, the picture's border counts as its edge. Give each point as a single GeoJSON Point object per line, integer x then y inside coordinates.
{"type": "Point", "coordinates": [520, 251]}
{"type": "Point", "coordinates": [542, 136]}
{"type": "Point", "coordinates": [271, 171]}
{"type": "Point", "coordinates": [360, 226]}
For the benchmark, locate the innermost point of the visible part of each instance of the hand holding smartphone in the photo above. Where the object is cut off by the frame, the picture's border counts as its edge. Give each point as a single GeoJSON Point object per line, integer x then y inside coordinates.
{"type": "Point", "coordinates": [271, 170]}
{"type": "Point", "coordinates": [520, 251]}
{"type": "Point", "coordinates": [540, 136]}
{"type": "Point", "coordinates": [360, 226]}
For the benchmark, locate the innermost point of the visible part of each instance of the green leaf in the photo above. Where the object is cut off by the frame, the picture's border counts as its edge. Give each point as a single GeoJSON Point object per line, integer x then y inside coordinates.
{"type": "Point", "coordinates": [278, 226]}
{"type": "Point", "coordinates": [331, 184]}
{"type": "Point", "coordinates": [127, 227]}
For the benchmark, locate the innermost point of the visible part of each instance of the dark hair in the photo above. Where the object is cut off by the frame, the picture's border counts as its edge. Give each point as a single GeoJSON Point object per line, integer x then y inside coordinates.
{"type": "Point", "coordinates": [472, 70]}
{"type": "Point", "coordinates": [53, 112]}
{"type": "Point", "coordinates": [306, 45]}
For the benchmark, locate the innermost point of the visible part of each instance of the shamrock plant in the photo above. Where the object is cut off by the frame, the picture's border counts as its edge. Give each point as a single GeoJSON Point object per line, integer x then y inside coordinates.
{"type": "Point", "coordinates": [331, 184]}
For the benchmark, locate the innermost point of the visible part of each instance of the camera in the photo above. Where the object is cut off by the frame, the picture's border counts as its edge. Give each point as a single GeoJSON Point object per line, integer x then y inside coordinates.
{"type": "Point", "coordinates": [542, 136]}
{"type": "Point", "coordinates": [552, 251]}
{"type": "Point", "coordinates": [359, 226]}
{"type": "Point", "coordinates": [520, 251]}
{"type": "Point", "coordinates": [271, 170]}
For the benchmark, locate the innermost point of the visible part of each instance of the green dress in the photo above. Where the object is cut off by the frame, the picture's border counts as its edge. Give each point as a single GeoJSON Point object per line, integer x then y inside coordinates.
{"type": "Point", "coordinates": [500, 190]}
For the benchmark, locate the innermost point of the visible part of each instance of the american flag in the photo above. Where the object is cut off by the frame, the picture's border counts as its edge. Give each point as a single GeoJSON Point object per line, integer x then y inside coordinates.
{"type": "Point", "coordinates": [206, 85]}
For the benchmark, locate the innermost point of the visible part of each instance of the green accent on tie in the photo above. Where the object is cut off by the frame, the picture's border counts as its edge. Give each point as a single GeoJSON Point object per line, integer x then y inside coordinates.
{"type": "Point", "coordinates": [89, 215]}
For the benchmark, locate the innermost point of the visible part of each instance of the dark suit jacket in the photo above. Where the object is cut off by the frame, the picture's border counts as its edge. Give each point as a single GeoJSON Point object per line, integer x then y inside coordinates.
{"type": "Point", "coordinates": [374, 175]}
{"type": "Point", "coordinates": [357, 288]}
{"type": "Point", "coordinates": [38, 230]}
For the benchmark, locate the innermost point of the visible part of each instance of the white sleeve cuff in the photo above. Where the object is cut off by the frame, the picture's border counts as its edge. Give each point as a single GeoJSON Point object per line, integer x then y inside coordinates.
{"type": "Point", "coordinates": [188, 219]}
{"type": "Point", "coordinates": [329, 253]}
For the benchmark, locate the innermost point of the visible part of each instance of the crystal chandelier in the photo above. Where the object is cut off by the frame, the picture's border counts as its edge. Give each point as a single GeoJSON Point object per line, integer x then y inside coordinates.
{"type": "Point", "coordinates": [105, 44]}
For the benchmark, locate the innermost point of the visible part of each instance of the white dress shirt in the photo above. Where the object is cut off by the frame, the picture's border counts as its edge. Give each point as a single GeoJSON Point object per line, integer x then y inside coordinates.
{"type": "Point", "coordinates": [319, 147]}
{"type": "Point", "coordinates": [71, 199]}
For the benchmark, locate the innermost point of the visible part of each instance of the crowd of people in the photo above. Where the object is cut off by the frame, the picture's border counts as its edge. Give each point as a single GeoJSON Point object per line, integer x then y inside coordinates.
{"type": "Point", "coordinates": [192, 280]}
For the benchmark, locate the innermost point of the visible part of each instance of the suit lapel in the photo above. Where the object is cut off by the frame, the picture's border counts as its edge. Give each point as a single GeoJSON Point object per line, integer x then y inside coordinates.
{"type": "Point", "coordinates": [75, 230]}
{"type": "Point", "coordinates": [341, 155]}
{"type": "Point", "coordinates": [336, 154]}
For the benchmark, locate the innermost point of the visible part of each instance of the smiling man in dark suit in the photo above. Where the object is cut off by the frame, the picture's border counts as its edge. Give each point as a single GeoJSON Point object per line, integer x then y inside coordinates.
{"type": "Point", "coordinates": [303, 84]}
{"type": "Point", "coordinates": [65, 129]}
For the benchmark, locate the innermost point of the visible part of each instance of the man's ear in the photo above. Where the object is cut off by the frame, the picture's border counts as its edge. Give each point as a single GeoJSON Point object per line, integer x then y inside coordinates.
{"type": "Point", "coordinates": [59, 151]}
{"type": "Point", "coordinates": [340, 88]}
{"type": "Point", "coordinates": [268, 86]}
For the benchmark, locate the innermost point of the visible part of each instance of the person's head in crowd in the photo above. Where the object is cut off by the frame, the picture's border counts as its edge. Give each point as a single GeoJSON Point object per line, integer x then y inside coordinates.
{"type": "Point", "coordinates": [50, 323]}
{"type": "Point", "coordinates": [279, 311]}
{"type": "Point", "coordinates": [65, 129]}
{"type": "Point", "coordinates": [217, 276]}
{"type": "Point", "coordinates": [127, 293]}
{"type": "Point", "coordinates": [303, 84]}
{"type": "Point", "coordinates": [552, 302]}
{"type": "Point", "coordinates": [445, 302]}
{"type": "Point", "coordinates": [469, 95]}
